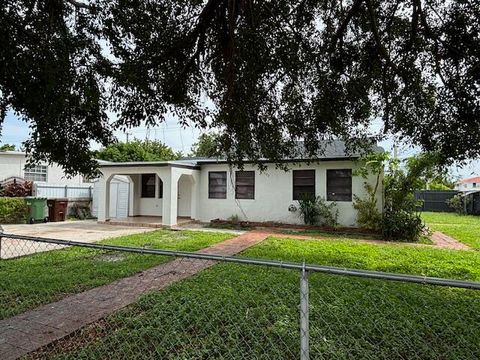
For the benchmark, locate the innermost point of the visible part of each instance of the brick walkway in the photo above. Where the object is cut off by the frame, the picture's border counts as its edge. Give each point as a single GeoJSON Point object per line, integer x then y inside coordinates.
{"type": "Point", "coordinates": [33, 329]}
{"type": "Point", "coordinates": [444, 241]}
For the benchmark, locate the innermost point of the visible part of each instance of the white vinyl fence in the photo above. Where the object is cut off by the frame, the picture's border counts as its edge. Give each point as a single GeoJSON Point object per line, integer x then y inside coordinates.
{"type": "Point", "coordinates": [80, 191]}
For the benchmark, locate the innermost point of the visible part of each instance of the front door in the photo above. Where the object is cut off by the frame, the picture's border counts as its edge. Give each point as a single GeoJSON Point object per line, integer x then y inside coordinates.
{"type": "Point", "coordinates": [184, 197]}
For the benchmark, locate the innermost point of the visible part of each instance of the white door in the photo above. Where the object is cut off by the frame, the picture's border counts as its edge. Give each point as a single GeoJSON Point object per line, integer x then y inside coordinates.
{"type": "Point", "coordinates": [122, 199]}
{"type": "Point", "coordinates": [184, 197]}
{"type": "Point", "coordinates": [113, 199]}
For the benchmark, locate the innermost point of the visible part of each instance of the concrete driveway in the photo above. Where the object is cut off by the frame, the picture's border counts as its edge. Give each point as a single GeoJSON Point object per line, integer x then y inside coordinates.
{"type": "Point", "coordinates": [85, 231]}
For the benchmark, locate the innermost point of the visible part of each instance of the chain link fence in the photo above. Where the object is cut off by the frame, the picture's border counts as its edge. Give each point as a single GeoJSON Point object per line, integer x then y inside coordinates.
{"type": "Point", "coordinates": [74, 300]}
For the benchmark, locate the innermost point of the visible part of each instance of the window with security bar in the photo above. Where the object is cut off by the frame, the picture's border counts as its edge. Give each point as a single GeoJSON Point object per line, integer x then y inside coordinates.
{"type": "Point", "coordinates": [245, 185]}
{"type": "Point", "coordinates": [339, 185]}
{"type": "Point", "coordinates": [217, 185]}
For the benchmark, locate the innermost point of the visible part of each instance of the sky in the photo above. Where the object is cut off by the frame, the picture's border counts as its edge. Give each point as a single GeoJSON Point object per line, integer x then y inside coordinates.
{"type": "Point", "coordinates": [15, 131]}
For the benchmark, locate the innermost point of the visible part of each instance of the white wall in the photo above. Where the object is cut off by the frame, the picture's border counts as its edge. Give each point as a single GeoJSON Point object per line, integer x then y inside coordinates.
{"type": "Point", "coordinates": [167, 207]}
{"type": "Point", "coordinates": [145, 206]}
{"type": "Point", "coordinates": [138, 206]}
{"type": "Point", "coordinates": [13, 164]}
{"type": "Point", "coordinates": [467, 186]}
{"type": "Point", "coordinates": [273, 194]}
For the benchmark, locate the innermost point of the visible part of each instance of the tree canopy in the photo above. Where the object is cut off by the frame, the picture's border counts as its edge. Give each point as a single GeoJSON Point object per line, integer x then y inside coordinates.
{"type": "Point", "coordinates": [7, 147]}
{"type": "Point", "coordinates": [137, 150]}
{"type": "Point", "coordinates": [265, 73]}
{"type": "Point", "coordinates": [207, 146]}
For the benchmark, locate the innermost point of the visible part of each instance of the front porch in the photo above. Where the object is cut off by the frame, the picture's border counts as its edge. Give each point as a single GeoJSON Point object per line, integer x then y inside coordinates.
{"type": "Point", "coordinates": [160, 194]}
{"type": "Point", "coordinates": [145, 221]}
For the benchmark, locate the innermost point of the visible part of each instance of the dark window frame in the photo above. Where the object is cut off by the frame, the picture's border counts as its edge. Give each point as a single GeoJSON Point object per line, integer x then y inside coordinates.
{"type": "Point", "coordinates": [160, 188]}
{"type": "Point", "coordinates": [343, 195]}
{"type": "Point", "coordinates": [210, 185]}
{"type": "Point", "coordinates": [145, 193]}
{"type": "Point", "coordinates": [252, 186]}
{"type": "Point", "coordinates": [296, 176]}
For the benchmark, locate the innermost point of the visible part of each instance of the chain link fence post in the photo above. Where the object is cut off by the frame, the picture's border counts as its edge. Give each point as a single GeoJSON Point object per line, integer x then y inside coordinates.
{"type": "Point", "coordinates": [304, 316]}
{"type": "Point", "coordinates": [1, 232]}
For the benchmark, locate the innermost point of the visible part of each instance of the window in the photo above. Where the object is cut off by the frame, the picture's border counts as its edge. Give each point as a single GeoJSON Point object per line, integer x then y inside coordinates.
{"type": "Point", "coordinates": [303, 184]}
{"type": "Point", "coordinates": [148, 185]}
{"type": "Point", "coordinates": [245, 185]}
{"type": "Point", "coordinates": [217, 185]}
{"type": "Point", "coordinates": [339, 185]}
{"type": "Point", "coordinates": [36, 173]}
{"type": "Point", "coordinates": [474, 185]}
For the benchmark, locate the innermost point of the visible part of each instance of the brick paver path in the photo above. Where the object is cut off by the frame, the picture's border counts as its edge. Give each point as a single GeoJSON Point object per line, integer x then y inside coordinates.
{"type": "Point", "coordinates": [29, 331]}
{"type": "Point", "coordinates": [447, 242]}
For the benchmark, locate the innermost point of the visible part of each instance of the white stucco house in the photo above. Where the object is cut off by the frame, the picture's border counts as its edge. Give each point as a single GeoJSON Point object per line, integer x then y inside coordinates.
{"type": "Point", "coordinates": [166, 192]}
{"type": "Point", "coordinates": [469, 184]}
{"type": "Point", "coordinates": [14, 164]}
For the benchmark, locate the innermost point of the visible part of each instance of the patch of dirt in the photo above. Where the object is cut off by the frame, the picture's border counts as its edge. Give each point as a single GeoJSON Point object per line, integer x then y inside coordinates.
{"type": "Point", "coordinates": [85, 336]}
{"type": "Point", "coordinates": [174, 236]}
{"type": "Point", "coordinates": [110, 257]}
{"type": "Point", "coordinates": [272, 226]}
{"type": "Point", "coordinates": [74, 341]}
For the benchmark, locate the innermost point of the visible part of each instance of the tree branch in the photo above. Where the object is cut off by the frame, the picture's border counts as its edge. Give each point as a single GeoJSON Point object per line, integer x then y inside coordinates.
{"type": "Point", "coordinates": [434, 38]}
{"type": "Point", "coordinates": [413, 31]}
{"type": "Point", "coordinates": [79, 5]}
{"type": "Point", "coordinates": [381, 49]}
{"type": "Point", "coordinates": [343, 26]}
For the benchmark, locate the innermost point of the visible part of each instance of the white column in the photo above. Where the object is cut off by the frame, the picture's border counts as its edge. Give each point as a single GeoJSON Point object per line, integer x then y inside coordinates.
{"type": "Point", "coordinates": [170, 197]}
{"type": "Point", "coordinates": [131, 196]}
{"type": "Point", "coordinates": [104, 198]}
{"type": "Point", "coordinates": [195, 184]}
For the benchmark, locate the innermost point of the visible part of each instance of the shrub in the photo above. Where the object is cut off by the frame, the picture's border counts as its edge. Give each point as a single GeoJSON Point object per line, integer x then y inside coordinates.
{"type": "Point", "coordinates": [457, 203]}
{"type": "Point", "coordinates": [401, 225]}
{"type": "Point", "coordinates": [401, 222]}
{"type": "Point", "coordinates": [17, 189]}
{"type": "Point", "coordinates": [80, 211]}
{"type": "Point", "coordinates": [234, 219]}
{"type": "Point", "coordinates": [368, 215]}
{"type": "Point", "coordinates": [315, 211]}
{"type": "Point", "coordinates": [13, 210]}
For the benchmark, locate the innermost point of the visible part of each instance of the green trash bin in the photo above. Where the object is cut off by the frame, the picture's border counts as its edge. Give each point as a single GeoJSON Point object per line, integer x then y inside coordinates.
{"type": "Point", "coordinates": [36, 209]}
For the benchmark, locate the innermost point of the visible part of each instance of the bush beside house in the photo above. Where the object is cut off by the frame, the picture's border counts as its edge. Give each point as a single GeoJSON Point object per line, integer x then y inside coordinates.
{"type": "Point", "coordinates": [400, 220]}
{"type": "Point", "coordinates": [13, 210]}
{"type": "Point", "coordinates": [315, 211]}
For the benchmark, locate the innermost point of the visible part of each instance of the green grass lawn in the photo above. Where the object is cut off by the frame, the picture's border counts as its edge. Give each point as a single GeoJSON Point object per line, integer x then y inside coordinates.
{"type": "Point", "coordinates": [29, 281]}
{"type": "Point", "coordinates": [251, 312]}
{"type": "Point", "coordinates": [464, 228]}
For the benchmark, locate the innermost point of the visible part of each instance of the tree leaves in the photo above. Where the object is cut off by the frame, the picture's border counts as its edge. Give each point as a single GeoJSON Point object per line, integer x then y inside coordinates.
{"type": "Point", "coordinates": [137, 150]}
{"type": "Point", "coordinates": [266, 74]}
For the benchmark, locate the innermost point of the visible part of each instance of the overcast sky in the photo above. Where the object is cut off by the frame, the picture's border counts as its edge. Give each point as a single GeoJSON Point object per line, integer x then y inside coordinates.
{"type": "Point", "coordinates": [16, 131]}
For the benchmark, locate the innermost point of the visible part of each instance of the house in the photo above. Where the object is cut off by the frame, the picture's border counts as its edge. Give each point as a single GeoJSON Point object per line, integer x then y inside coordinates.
{"type": "Point", "coordinates": [469, 184]}
{"type": "Point", "coordinates": [49, 180]}
{"type": "Point", "coordinates": [165, 192]}
{"type": "Point", "coordinates": [14, 164]}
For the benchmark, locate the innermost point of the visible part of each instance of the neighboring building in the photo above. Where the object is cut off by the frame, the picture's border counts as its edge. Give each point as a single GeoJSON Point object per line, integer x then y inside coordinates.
{"type": "Point", "coordinates": [207, 189]}
{"type": "Point", "coordinates": [14, 164]}
{"type": "Point", "coordinates": [468, 184]}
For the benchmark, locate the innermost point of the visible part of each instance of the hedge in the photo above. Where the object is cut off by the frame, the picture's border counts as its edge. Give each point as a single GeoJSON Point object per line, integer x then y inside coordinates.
{"type": "Point", "coordinates": [13, 210]}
